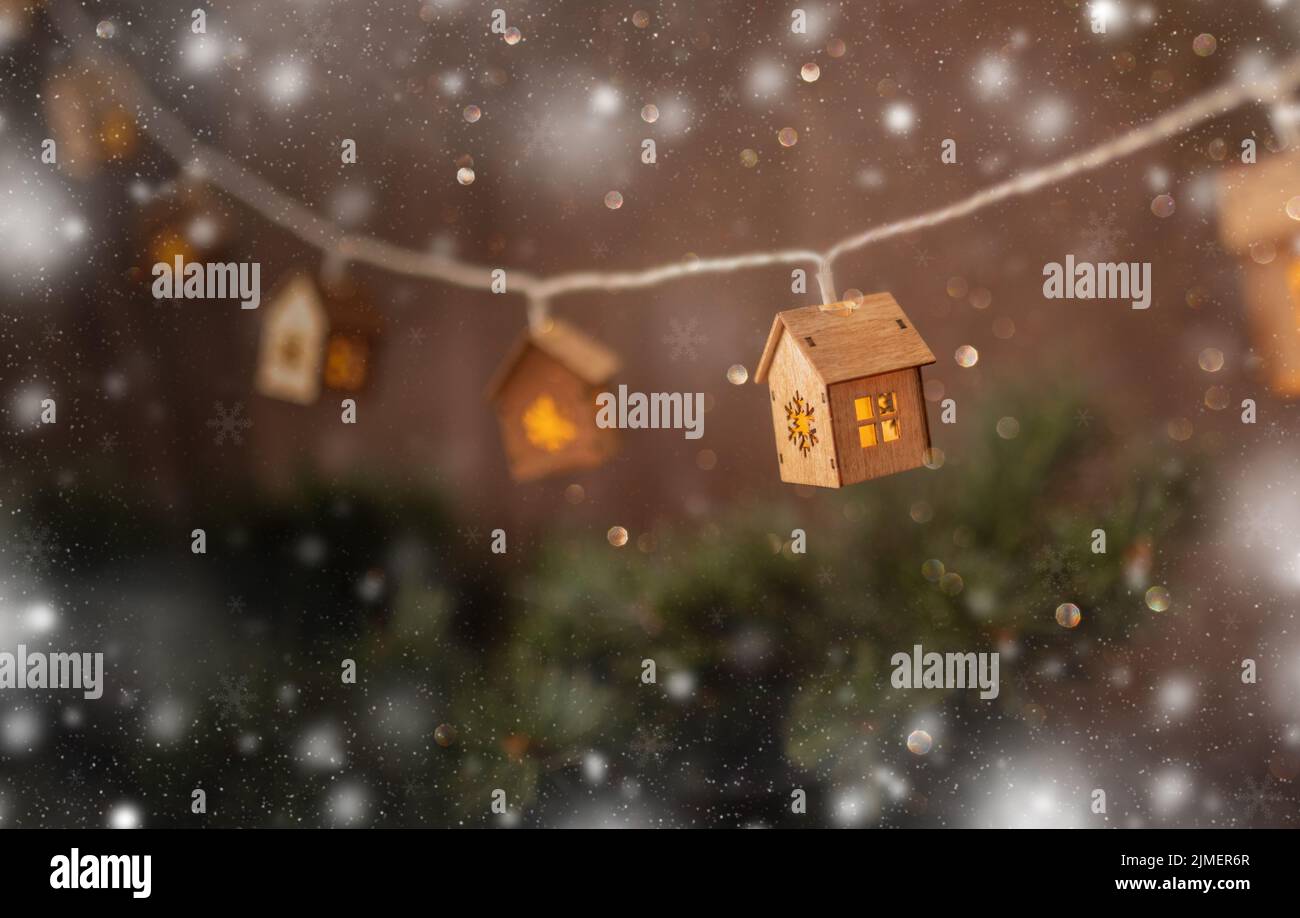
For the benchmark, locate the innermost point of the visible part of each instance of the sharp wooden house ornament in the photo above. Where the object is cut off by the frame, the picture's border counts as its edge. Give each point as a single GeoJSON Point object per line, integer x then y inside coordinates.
{"type": "Point", "coordinates": [1255, 207]}
{"type": "Point", "coordinates": [845, 382]}
{"type": "Point", "coordinates": [544, 394]}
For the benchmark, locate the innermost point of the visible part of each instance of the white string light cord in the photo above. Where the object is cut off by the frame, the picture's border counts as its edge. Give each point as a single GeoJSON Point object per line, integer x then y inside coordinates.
{"type": "Point", "coordinates": [265, 199]}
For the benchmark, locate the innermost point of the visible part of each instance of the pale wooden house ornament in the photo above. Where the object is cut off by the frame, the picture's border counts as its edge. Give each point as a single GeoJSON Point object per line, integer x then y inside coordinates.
{"type": "Point", "coordinates": [845, 386]}
{"type": "Point", "coordinates": [294, 329]}
{"type": "Point", "coordinates": [544, 394]}
{"type": "Point", "coordinates": [1259, 219]}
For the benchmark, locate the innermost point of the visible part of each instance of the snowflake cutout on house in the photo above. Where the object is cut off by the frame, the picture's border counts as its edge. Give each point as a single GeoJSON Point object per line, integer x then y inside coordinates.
{"type": "Point", "coordinates": [800, 428]}
{"type": "Point", "coordinates": [229, 423]}
{"type": "Point", "coordinates": [546, 428]}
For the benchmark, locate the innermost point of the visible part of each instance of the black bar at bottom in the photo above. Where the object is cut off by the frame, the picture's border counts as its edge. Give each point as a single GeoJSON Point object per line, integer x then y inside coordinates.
{"type": "Point", "coordinates": [335, 868]}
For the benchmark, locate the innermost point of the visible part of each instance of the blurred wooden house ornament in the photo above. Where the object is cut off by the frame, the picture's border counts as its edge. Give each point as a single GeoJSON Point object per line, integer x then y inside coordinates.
{"type": "Point", "coordinates": [88, 125]}
{"type": "Point", "coordinates": [180, 218]}
{"type": "Point", "coordinates": [544, 394]}
{"type": "Point", "coordinates": [314, 335]}
{"type": "Point", "coordinates": [293, 341]}
{"type": "Point", "coordinates": [1259, 219]}
{"type": "Point", "coordinates": [354, 336]}
{"type": "Point", "coordinates": [845, 386]}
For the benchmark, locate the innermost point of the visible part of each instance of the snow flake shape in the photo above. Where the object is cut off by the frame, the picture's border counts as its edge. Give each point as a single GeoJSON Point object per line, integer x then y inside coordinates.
{"type": "Point", "coordinates": [1102, 236]}
{"type": "Point", "coordinates": [233, 698]}
{"type": "Point", "coordinates": [1260, 798]}
{"type": "Point", "coordinates": [684, 339]}
{"type": "Point", "coordinates": [229, 423]}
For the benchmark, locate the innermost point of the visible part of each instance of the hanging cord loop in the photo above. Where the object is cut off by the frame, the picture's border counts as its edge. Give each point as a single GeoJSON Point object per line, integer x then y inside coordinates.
{"type": "Point", "coordinates": [539, 314]}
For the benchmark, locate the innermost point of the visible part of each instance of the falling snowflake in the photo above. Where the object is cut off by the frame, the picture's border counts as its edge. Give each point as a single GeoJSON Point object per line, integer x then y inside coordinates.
{"type": "Point", "coordinates": [600, 250]}
{"type": "Point", "coordinates": [229, 422]}
{"type": "Point", "coordinates": [1082, 418]}
{"type": "Point", "coordinates": [36, 549]}
{"type": "Point", "coordinates": [233, 698]}
{"type": "Point", "coordinates": [649, 744]}
{"type": "Point", "coordinates": [235, 605]}
{"type": "Point", "coordinates": [541, 137]}
{"type": "Point", "coordinates": [416, 336]}
{"type": "Point", "coordinates": [684, 338]}
{"type": "Point", "coordinates": [108, 443]}
{"type": "Point", "coordinates": [318, 37]}
{"type": "Point", "coordinates": [1256, 528]}
{"type": "Point", "coordinates": [1102, 236]}
{"type": "Point", "coordinates": [1260, 798]}
{"type": "Point", "coordinates": [1057, 568]}
{"type": "Point", "coordinates": [1022, 681]}
{"type": "Point", "coordinates": [727, 95]}
{"type": "Point", "coordinates": [825, 576]}
{"type": "Point", "coordinates": [1276, 432]}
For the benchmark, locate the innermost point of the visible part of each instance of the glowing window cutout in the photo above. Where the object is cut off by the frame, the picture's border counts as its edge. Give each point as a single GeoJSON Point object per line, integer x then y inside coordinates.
{"type": "Point", "coordinates": [345, 362]}
{"type": "Point", "coordinates": [890, 428]}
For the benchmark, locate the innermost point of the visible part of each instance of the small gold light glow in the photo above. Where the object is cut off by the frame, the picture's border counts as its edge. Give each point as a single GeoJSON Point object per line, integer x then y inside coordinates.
{"type": "Point", "coordinates": [345, 362]}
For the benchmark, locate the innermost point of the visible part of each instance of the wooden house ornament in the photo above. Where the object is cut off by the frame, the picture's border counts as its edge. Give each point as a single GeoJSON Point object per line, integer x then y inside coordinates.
{"type": "Point", "coordinates": [88, 125]}
{"type": "Point", "coordinates": [1255, 207]}
{"type": "Point", "coordinates": [845, 384]}
{"type": "Point", "coordinates": [314, 336]}
{"type": "Point", "coordinates": [293, 343]}
{"type": "Point", "coordinates": [352, 345]}
{"type": "Point", "coordinates": [544, 394]}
